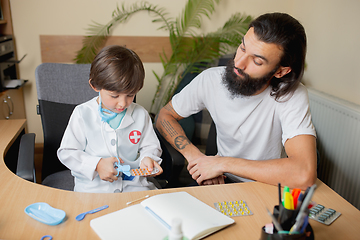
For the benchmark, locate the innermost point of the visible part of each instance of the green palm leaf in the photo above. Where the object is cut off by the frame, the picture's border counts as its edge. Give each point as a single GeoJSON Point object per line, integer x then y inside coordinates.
{"type": "Point", "coordinates": [190, 51]}
{"type": "Point", "coordinates": [98, 33]}
{"type": "Point", "coordinates": [192, 15]}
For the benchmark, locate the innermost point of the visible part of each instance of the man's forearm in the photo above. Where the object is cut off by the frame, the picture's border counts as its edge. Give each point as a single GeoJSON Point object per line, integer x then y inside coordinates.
{"type": "Point", "coordinates": [272, 171]}
{"type": "Point", "coordinates": [297, 170]}
{"type": "Point", "coordinates": [173, 133]}
{"type": "Point", "coordinates": [167, 124]}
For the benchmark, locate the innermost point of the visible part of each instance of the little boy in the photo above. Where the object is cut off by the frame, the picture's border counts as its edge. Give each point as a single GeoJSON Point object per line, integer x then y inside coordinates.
{"type": "Point", "coordinates": [111, 129]}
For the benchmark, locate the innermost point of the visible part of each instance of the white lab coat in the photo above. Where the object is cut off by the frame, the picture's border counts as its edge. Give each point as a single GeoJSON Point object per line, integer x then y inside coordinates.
{"type": "Point", "coordinates": [87, 139]}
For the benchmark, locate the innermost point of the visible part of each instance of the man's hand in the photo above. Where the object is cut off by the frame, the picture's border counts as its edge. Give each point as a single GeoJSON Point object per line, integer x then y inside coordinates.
{"type": "Point", "coordinates": [206, 170]}
{"type": "Point", "coordinates": [213, 181]}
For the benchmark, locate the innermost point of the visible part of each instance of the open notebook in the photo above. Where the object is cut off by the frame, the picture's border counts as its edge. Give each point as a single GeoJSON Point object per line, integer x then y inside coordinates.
{"type": "Point", "coordinates": [151, 218]}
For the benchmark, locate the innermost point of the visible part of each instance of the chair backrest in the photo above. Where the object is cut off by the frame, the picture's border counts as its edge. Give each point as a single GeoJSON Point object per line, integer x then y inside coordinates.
{"type": "Point", "coordinates": [211, 145]}
{"type": "Point", "coordinates": [60, 87]}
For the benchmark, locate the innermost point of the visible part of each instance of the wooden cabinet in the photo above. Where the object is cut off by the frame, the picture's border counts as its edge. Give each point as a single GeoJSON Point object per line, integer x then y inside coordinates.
{"type": "Point", "coordinates": [12, 104]}
{"type": "Point", "coordinates": [6, 27]}
{"type": "Point", "coordinates": [11, 100]}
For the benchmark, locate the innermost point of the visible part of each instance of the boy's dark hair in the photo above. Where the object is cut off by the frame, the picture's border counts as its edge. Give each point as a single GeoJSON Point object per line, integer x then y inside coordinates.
{"type": "Point", "coordinates": [287, 32]}
{"type": "Point", "coordinates": [117, 69]}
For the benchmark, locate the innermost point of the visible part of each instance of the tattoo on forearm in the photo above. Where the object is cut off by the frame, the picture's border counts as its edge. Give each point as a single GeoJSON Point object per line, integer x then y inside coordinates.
{"type": "Point", "coordinates": [168, 128]}
{"type": "Point", "coordinates": [162, 132]}
{"type": "Point", "coordinates": [169, 108]}
{"type": "Point", "coordinates": [181, 142]}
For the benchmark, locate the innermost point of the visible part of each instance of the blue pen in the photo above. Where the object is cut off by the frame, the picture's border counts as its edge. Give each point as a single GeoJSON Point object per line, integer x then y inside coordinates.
{"type": "Point", "coordinates": [301, 215]}
{"type": "Point", "coordinates": [306, 201]}
{"type": "Point", "coordinates": [299, 222]}
{"type": "Point", "coordinates": [299, 201]}
{"type": "Point", "coordinates": [158, 217]}
{"type": "Point", "coordinates": [306, 221]}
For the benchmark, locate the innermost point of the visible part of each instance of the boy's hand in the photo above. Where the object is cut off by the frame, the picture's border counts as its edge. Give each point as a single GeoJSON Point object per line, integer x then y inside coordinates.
{"type": "Point", "coordinates": [106, 170]}
{"type": "Point", "coordinates": [150, 164]}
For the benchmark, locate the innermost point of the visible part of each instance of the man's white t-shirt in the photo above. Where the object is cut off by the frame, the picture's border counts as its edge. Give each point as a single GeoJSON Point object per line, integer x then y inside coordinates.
{"type": "Point", "coordinates": [255, 127]}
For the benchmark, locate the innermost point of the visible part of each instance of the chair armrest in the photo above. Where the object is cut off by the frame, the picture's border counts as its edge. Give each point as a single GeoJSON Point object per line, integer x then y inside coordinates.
{"type": "Point", "coordinates": [173, 162]}
{"type": "Point", "coordinates": [25, 165]}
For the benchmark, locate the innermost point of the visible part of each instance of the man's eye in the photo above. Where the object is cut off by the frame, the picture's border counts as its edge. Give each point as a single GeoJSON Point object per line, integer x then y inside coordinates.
{"type": "Point", "coordinates": [257, 63]}
{"type": "Point", "coordinates": [114, 96]}
{"type": "Point", "coordinates": [242, 48]}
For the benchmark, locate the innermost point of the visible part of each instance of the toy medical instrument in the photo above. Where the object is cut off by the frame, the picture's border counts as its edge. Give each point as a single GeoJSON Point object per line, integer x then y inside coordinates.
{"type": "Point", "coordinates": [125, 169]}
{"type": "Point", "coordinates": [133, 172]}
{"type": "Point", "coordinates": [47, 236]}
{"type": "Point", "coordinates": [44, 213]}
{"type": "Point", "coordinates": [82, 215]}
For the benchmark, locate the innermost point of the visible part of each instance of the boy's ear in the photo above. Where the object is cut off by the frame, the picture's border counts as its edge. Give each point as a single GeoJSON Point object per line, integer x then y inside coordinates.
{"type": "Point", "coordinates": [95, 89]}
{"type": "Point", "coordinates": [282, 71]}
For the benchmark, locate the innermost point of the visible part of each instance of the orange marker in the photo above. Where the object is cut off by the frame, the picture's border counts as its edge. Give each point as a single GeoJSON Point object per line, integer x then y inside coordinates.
{"type": "Point", "coordinates": [295, 194]}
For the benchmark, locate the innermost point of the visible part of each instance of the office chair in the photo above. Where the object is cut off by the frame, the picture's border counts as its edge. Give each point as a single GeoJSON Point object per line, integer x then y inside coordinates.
{"type": "Point", "coordinates": [60, 87]}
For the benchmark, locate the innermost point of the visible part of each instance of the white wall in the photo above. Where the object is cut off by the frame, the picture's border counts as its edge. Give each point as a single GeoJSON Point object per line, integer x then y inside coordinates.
{"type": "Point", "coordinates": [330, 24]}
{"type": "Point", "coordinates": [333, 56]}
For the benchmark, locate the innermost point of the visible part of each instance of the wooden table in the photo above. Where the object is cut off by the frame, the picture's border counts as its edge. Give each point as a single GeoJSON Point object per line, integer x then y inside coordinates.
{"type": "Point", "coordinates": [16, 194]}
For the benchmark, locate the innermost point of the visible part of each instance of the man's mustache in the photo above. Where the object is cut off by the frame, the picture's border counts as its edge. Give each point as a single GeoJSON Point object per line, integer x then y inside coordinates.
{"type": "Point", "coordinates": [241, 72]}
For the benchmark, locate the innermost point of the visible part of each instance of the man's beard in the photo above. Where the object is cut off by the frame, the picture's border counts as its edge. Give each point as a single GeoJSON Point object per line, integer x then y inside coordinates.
{"type": "Point", "coordinates": [245, 85]}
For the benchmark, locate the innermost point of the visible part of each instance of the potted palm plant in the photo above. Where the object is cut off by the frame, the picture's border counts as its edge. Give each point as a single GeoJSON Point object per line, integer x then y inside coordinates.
{"type": "Point", "coordinates": [190, 50]}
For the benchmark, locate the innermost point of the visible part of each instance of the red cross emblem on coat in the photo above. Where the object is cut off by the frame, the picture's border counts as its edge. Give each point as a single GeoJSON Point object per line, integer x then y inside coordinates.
{"type": "Point", "coordinates": [134, 136]}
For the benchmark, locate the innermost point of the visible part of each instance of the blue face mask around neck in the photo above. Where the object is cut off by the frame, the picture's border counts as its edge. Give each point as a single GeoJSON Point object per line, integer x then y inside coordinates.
{"type": "Point", "coordinates": [113, 119]}
{"type": "Point", "coordinates": [108, 115]}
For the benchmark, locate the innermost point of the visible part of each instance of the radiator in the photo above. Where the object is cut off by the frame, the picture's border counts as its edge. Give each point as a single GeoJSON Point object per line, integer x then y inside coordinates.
{"type": "Point", "coordinates": [337, 124]}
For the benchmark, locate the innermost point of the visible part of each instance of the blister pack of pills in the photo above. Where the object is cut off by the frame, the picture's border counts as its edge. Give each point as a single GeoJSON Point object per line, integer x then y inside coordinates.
{"type": "Point", "coordinates": [323, 214]}
{"type": "Point", "coordinates": [143, 171]}
{"type": "Point", "coordinates": [233, 208]}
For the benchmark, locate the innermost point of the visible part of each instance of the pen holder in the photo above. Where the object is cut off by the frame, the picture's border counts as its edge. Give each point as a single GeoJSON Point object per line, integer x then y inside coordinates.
{"type": "Point", "coordinates": [287, 219]}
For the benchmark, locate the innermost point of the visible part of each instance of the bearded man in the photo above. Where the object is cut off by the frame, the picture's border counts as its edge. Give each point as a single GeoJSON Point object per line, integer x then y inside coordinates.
{"type": "Point", "coordinates": [259, 108]}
